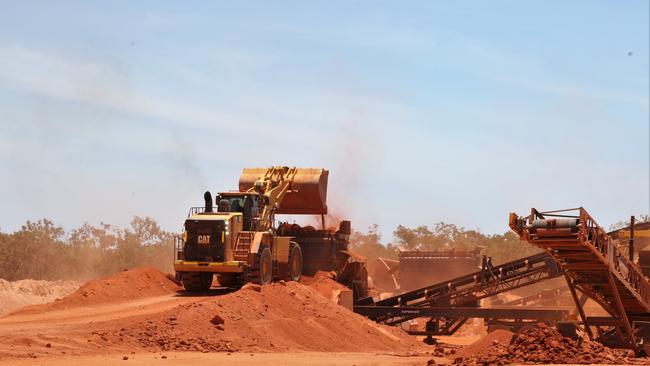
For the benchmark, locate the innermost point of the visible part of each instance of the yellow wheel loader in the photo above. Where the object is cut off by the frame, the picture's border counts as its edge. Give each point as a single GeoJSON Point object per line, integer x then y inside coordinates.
{"type": "Point", "coordinates": [237, 240]}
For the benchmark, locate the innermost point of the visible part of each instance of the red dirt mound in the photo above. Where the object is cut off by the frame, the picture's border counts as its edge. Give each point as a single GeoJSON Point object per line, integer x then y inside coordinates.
{"type": "Point", "coordinates": [18, 294]}
{"type": "Point", "coordinates": [541, 345]}
{"type": "Point", "coordinates": [273, 318]}
{"type": "Point", "coordinates": [122, 286]}
{"type": "Point", "coordinates": [324, 284]}
{"type": "Point", "coordinates": [487, 343]}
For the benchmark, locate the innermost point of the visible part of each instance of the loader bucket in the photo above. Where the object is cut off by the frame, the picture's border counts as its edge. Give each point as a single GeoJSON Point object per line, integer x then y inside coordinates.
{"type": "Point", "coordinates": [307, 194]}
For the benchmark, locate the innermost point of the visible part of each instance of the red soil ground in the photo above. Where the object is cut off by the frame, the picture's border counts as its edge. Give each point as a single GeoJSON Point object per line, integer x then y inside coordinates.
{"type": "Point", "coordinates": [142, 310]}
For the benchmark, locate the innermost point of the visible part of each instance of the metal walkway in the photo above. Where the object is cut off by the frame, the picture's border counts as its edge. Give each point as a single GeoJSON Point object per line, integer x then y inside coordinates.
{"type": "Point", "coordinates": [596, 266]}
{"type": "Point", "coordinates": [451, 303]}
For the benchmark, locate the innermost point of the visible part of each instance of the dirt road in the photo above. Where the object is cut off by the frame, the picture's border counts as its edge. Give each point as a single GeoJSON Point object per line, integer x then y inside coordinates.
{"type": "Point", "coordinates": [99, 313]}
{"type": "Point", "coordinates": [70, 331]}
{"type": "Point", "coordinates": [233, 359]}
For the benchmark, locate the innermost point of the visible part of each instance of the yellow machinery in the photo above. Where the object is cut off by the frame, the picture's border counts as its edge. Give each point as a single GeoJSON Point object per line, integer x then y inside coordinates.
{"type": "Point", "coordinates": [637, 238]}
{"type": "Point", "coordinates": [237, 240]}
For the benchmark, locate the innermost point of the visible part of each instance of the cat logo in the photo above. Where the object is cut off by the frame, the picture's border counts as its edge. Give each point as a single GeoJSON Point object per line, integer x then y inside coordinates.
{"type": "Point", "coordinates": [204, 239]}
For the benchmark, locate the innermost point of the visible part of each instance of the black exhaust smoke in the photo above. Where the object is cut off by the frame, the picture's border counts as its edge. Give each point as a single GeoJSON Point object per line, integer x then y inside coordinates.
{"type": "Point", "coordinates": [207, 196]}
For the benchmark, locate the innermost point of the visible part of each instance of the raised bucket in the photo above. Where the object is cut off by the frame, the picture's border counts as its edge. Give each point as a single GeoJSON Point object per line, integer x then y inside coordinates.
{"type": "Point", "coordinates": [308, 191]}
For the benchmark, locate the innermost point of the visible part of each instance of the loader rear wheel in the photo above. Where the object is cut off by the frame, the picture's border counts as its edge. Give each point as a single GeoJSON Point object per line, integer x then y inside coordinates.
{"type": "Point", "coordinates": [295, 263]}
{"type": "Point", "coordinates": [197, 281]}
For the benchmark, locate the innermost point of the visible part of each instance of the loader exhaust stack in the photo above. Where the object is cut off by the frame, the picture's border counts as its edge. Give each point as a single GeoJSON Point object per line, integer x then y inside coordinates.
{"type": "Point", "coordinates": [207, 196]}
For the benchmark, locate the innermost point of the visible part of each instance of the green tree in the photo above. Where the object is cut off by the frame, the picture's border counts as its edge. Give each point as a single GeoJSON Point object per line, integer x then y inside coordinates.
{"type": "Point", "coordinates": [369, 244]}
{"type": "Point", "coordinates": [41, 250]}
{"type": "Point", "coordinates": [443, 236]}
{"type": "Point", "coordinates": [36, 251]}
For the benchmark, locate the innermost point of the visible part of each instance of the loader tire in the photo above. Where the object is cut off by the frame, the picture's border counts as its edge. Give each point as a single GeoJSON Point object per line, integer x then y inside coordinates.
{"type": "Point", "coordinates": [197, 281]}
{"type": "Point", "coordinates": [295, 262]}
{"type": "Point", "coordinates": [261, 272]}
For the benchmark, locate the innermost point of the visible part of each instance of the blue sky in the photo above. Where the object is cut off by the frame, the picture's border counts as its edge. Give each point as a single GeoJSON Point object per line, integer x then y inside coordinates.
{"type": "Point", "coordinates": [423, 111]}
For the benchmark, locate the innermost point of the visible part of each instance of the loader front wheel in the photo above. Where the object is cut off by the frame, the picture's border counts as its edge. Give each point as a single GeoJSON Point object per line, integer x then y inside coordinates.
{"type": "Point", "coordinates": [295, 263]}
{"type": "Point", "coordinates": [261, 270]}
{"type": "Point", "coordinates": [197, 281]}
{"type": "Point", "coordinates": [266, 267]}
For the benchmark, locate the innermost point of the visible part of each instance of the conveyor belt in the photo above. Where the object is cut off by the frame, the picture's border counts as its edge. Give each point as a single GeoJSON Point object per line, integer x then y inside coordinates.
{"type": "Point", "coordinates": [454, 301]}
{"type": "Point", "coordinates": [594, 265]}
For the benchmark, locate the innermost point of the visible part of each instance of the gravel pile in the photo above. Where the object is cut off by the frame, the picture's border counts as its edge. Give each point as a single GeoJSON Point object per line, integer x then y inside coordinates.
{"type": "Point", "coordinates": [545, 345]}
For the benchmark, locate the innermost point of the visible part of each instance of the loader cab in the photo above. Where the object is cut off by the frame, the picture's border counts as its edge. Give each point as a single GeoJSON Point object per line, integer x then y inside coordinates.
{"type": "Point", "coordinates": [246, 203]}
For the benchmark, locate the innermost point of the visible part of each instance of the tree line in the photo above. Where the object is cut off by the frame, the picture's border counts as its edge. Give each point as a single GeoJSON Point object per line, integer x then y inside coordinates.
{"type": "Point", "coordinates": [43, 250]}
{"type": "Point", "coordinates": [441, 237]}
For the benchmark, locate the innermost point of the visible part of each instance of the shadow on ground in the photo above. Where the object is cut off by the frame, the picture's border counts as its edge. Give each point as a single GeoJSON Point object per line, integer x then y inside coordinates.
{"type": "Point", "coordinates": [213, 291]}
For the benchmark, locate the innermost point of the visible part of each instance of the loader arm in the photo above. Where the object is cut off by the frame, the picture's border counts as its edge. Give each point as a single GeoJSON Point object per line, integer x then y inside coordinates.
{"type": "Point", "coordinates": [274, 185]}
